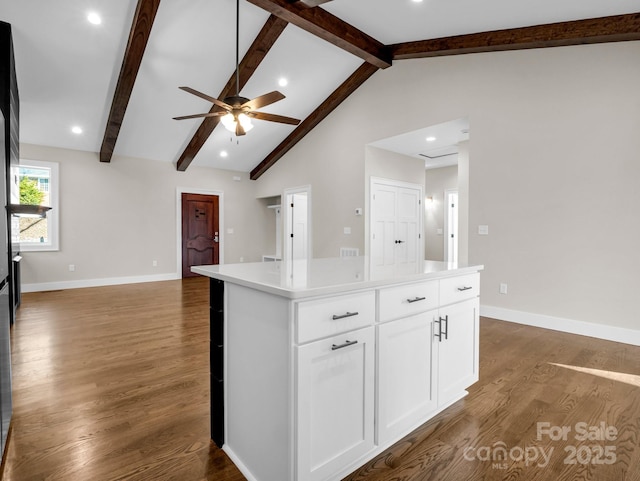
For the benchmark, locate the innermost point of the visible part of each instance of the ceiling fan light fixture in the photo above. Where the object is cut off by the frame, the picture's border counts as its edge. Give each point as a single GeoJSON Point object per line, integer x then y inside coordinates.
{"type": "Point", "coordinates": [245, 121]}
{"type": "Point", "coordinates": [229, 122]}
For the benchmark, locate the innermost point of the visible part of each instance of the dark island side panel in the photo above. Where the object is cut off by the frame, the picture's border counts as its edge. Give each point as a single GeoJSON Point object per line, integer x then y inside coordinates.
{"type": "Point", "coordinates": [216, 293]}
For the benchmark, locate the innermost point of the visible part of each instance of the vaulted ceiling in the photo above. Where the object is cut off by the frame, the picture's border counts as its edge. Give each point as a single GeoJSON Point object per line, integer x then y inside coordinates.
{"type": "Point", "coordinates": [119, 80]}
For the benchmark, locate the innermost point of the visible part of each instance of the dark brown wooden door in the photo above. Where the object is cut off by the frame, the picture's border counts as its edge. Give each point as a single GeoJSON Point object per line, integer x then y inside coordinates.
{"type": "Point", "coordinates": [200, 235]}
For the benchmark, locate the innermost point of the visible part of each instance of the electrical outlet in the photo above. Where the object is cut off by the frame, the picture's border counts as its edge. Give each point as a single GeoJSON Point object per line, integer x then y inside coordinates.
{"type": "Point", "coordinates": [154, 263]}
{"type": "Point", "coordinates": [503, 288]}
{"type": "Point", "coordinates": [72, 267]}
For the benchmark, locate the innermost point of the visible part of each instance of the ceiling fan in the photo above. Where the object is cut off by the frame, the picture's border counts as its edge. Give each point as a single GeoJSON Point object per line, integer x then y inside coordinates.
{"type": "Point", "coordinates": [235, 111]}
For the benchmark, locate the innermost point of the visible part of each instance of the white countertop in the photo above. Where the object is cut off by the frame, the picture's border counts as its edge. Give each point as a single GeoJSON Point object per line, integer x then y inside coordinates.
{"type": "Point", "coordinates": [316, 277]}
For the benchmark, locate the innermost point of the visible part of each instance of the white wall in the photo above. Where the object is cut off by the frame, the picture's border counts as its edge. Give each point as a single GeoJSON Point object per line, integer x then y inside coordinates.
{"type": "Point", "coordinates": [117, 217]}
{"type": "Point", "coordinates": [464, 165]}
{"type": "Point", "coordinates": [553, 168]}
{"type": "Point", "coordinates": [436, 182]}
{"type": "Point", "coordinates": [335, 171]}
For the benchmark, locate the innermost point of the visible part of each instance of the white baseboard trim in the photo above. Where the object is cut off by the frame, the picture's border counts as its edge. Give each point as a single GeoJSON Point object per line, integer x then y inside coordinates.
{"type": "Point", "coordinates": [239, 464]}
{"type": "Point", "coordinates": [110, 281]}
{"type": "Point", "coordinates": [591, 329]}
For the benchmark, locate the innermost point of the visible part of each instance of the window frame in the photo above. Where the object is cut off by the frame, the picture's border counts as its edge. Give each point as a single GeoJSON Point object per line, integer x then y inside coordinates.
{"type": "Point", "coordinates": [53, 215]}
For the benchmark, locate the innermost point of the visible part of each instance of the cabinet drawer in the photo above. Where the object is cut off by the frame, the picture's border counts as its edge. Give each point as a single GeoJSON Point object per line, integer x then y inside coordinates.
{"type": "Point", "coordinates": [455, 289]}
{"type": "Point", "coordinates": [406, 300]}
{"type": "Point", "coordinates": [327, 317]}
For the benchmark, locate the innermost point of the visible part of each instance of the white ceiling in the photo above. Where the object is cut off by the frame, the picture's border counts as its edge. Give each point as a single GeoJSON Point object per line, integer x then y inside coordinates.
{"type": "Point", "coordinates": [439, 151]}
{"type": "Point", "coordinates": [67, 68]}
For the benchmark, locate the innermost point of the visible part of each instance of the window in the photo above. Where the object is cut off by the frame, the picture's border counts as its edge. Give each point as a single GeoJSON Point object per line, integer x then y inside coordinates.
{"type": "Point", "coordinates": [36, 183]}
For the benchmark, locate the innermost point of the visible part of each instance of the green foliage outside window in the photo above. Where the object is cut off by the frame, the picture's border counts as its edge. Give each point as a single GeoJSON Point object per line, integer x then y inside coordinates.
{"type": "Point", "coordinates": [29, 192]}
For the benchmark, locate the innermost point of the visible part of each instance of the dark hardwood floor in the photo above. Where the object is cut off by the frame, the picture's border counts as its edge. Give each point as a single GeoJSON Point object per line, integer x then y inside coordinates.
{"type": "Point", "coordinates": [112, 383]}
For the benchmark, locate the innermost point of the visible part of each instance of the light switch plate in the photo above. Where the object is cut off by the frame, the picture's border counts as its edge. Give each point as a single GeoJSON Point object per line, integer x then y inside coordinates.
{"type": "Point", "coordinates": [439, 231]}
{"type": "Point", "coordinates": [483, 230]}
{"type": "Point", "coordinates": [347, 230]}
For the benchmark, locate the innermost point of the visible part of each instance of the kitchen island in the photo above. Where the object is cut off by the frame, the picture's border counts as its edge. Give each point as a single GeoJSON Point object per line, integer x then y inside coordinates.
{"type": "Point", "coordinates": [318, 366]}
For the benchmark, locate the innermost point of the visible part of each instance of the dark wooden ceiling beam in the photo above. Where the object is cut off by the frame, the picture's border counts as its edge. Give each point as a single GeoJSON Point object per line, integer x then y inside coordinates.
{"type": "Point", "coordinates": [321, 23]}
{"type": "Point", "coordinates": [268, 35]}
{"type": "Point", "coordinates": [311, 3]}
{"type": "Point", "coordinates": [349, 86]}
{"type": "Point", "coordinates": [140, 30]}
{"type": "Point", "coordinates": [595, 30]}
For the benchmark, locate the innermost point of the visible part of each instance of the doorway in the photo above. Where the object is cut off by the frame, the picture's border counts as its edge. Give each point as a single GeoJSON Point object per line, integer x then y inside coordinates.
{"type": "Point", "coordinates": [451, 226]}
{"type": "Point", "coordinates": [200, 231]}
{"type": "Point", "coordinates": [297, 239]}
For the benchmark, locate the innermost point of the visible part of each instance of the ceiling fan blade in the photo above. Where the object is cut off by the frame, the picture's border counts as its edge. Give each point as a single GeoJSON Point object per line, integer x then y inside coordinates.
{"type": "Point", "coordinates": [219, 103]}
{"type": "Point", "coordinates": [274, 118]}
{"type": "Point", "coordinates": [196, 116]}
{"type": "Point", "coordinates": [264, 100]}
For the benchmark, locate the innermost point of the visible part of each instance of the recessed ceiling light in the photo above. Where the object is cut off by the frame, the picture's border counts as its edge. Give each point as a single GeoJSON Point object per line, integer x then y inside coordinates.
{"type": "Point", "coordinates": [417, 1]}
{"type": "Point", "coordinates": [223, 153]}
{"type": "Point", "coordinates": [283, 82]}
{"type": "Point", "coordinates": [430, 139]}
{"type": "Point", "coordinates": [94, 18]}
{"type": "Point", "coordinates": [76, 130]}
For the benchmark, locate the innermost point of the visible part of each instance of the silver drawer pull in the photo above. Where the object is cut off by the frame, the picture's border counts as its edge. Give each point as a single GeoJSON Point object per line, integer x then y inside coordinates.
{"type": "Point", "coordinates": [342, 316]}
{"type": "Point", "coordinates": [464, 288]}
{"type": "Point", "coordinates": [416, 299]}
{"type": "Point", "coordinates": [346, 344]}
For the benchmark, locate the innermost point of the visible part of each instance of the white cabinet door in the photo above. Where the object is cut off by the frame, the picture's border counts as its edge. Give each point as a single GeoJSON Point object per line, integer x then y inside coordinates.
{"type": "Point", "coordinates": [406, 393]}
{"type": "Point", "coordinates": [456, 347]}
{"type": "Point", "coordinates": [335, 403]}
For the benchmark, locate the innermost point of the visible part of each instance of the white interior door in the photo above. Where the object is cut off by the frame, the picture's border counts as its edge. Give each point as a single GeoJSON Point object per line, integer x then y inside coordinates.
{"type": "Point", "coordinates": [451, 227]}
{"type": "Point", "coordinates": [299, 226]}
{"type": "Point", "coordinates": [408, 222]}
{"type": "Point", "coordinates": [395, 226]}
{"type": "Point", "coordinates": [383, 226]}
{"type": "Point", "coordinates": [297, 223]}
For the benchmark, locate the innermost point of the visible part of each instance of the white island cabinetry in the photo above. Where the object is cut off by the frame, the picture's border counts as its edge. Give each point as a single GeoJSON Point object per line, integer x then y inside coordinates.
{"type": "Point", "coordinates": [321, 376]}
{"type": "Point", "coordinates": [428, 353]}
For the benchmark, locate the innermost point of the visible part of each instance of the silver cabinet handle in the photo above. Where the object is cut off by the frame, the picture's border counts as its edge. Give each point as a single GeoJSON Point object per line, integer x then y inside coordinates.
{"type": "Point", "coordinates": [342, 316]}
{"type": "Point", "coordinates": [416, 299]}
{"type": "Point", "coordinates": [464, 288]}
{"type": "Point", "coordinates": [335, 347]}
{"type": "Point", "coordinates": [446, 326]}
{"type": "Point", "coordinates": [442, 333]}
